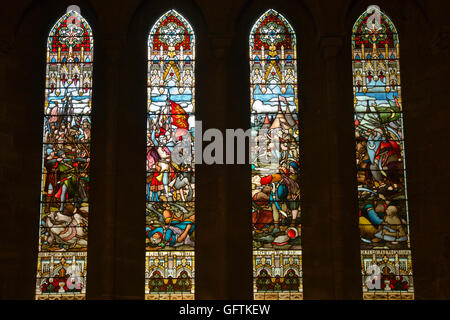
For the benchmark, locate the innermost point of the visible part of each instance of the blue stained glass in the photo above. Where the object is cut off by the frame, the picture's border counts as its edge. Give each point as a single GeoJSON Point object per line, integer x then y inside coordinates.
{"type": "Point", "coordinates": [170, 188]}
{"type": "Point", "coordinates": [64, 207]}
{"type": "Point", "coordinates": [380, 158]}
{"type": "Point", "coordinates": [276, 225]}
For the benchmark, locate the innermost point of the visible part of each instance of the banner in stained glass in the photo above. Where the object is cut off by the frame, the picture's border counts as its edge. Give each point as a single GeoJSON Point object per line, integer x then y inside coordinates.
{"type": "Point", "coordinates": [170, 184]}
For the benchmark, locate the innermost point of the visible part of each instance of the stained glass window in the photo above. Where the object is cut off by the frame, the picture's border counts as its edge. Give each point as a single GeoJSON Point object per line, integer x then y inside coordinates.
{"type": "Point", "coordinates": [170, 189]}
{"type": "Point", "coordinates": [380, 158]}
{"type": "Point", "coordinates": [277, 251]}
{"type": "Point", "coordinates": [64, 207]}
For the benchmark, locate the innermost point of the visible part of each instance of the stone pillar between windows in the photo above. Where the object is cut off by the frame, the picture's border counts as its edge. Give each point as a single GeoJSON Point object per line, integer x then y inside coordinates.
{"type": "Point", "coordinates": [340, 211]}
{"type": "Point", "coordinates": [103, 239]}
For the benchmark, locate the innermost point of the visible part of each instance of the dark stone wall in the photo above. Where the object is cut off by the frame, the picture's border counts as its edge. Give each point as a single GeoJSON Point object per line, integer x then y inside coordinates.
{"type": "Point", "coordinates": [223, 257]}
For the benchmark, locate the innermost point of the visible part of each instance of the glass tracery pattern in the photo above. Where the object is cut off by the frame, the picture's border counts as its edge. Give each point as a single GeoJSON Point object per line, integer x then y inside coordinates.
{"type": "Point", "coordinates": [64, 204]}
{"type": "Point", "coordinates": [170, 188]}
{"type": "Point", "coordinates": [380, 159]}
{"type": "Point", "coordinates": [277, 251]}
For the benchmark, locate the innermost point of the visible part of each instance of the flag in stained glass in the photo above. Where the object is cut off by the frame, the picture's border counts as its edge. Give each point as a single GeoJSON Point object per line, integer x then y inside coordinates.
{"type": "Point", "coordinates": [276, 225]}
{"type": "Point", "coordinates": [380, 159]}
{"type": "Point", "coordinates": [170, 188]}
{"type": "Point", "coordinates": [66, 153]}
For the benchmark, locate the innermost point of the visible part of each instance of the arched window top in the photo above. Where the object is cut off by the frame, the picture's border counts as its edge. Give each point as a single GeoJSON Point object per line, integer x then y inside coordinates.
{"type": "Point", "coordinates": [272, 30]}
{"type": "Point", "coordinates": [380, 159]}
{"type": "Point", "coordinates": [66, 154]}
{"type": "Point", "coordinates": [171, 32]}
{"type": "Point", "coordinates": [276, 227]}
{"type": "Point", "coordinates": [170, 187]}
{"type": "Point", "coordinates": [70, 33]}
{"type": "Point", "coordinates": [374, 27]}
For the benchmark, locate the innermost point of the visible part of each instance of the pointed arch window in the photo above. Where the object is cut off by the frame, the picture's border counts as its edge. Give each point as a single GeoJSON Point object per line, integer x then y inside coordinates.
{"type": "Point", "coordinates": [64, 206]}
{"type": "Point", "coordinates": [277, 251]}
{"type": "Point", "coordinates": [380, 158]}
{"type": "Point", "coordinates": [170, 188]}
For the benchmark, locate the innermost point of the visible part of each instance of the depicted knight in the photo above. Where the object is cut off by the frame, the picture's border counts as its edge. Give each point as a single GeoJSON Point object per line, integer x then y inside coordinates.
{"type": "Point", "coordinates": [69, 177]}
{"type": "Point", "coordinates": [68, 227]}
{"type": "Point", "coordinates": [176, 231]}
{"type": "Point", "coordinates": [285, 193]}
{"type": "Point", "coordinates": [182, 182]}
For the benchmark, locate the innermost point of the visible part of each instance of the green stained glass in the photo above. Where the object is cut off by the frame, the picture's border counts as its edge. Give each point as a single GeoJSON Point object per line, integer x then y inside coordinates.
{"type": "Point", "coordinates": [66, 154]}
{"type": "Point", "coordinates": [380, 159]}
{"type": "Point", "coordinates": [276, 225]}
{"type": "Point", "coordinates": [170, 187]}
